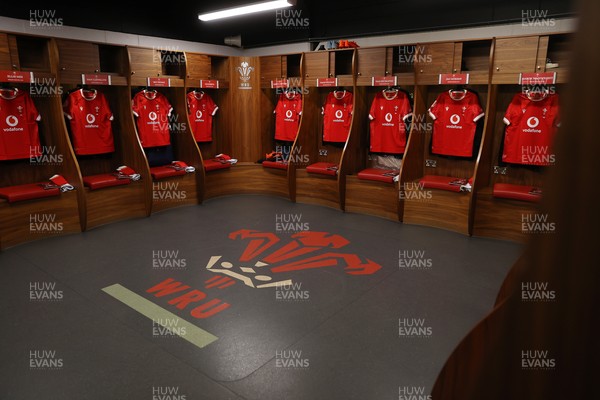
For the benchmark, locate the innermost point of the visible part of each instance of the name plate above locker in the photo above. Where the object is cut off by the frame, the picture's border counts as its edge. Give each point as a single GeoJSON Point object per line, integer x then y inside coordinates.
{"type": "Point", "coordinates": [280, 84]}
{"type": "Point", "coordinates": [96, 79]}
{"type": "Point", "coordinates": [209, 84]}
{"type": "Point", "coordinates": [454, 79]}
{"type": "Point", "coordinates": [327, 82]}
{"type": "Point", "coordinates": [16, 76]}
{"type": "Point", "coordinates": [159, 82]}
{"type": "Point", "coordinates": [384, 81]}
{"type": "Point", "coordinates": [537, 78]}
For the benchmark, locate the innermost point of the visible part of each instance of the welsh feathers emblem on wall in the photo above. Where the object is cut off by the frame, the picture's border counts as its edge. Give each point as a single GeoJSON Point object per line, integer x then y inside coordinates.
{"type": "Point", "coordinates": [245, 70]}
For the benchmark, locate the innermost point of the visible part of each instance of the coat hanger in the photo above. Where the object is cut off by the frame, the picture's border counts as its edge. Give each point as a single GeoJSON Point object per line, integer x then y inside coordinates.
{"type": "Point", "coordinates": [337, 90]}
{"type": "Point", "coordinates": [458, 89]}
{"type": "Point", "coordinates": [149, 93]}
{"type": "Point", "coordinates": [390, 92]}
{"type": "Point", "coordinates": [4, 88]}
{"type": "Point", "coordinates": [537, 92]}
{"type": "Point", "coordinates": [198, 93]}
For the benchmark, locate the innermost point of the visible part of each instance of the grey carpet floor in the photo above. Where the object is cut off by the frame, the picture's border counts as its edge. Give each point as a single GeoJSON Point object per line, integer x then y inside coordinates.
{"type": "Point", "coordinates": [330, 334]}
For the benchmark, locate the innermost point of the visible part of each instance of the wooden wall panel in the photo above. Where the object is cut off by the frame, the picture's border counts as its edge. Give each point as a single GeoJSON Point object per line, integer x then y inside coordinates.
{"type": "Point", "coordinates": [372, 198]}
{"type": "Point", "coordinates": [198, 66]}
{"type": "Point", "coordinates": [14, 52]}
{"type": "Point", "coordinates": [513, 56]}
{"type": "Point", "coordinates": [113, 204]}
{"type": "Point", "coordinates": [245, 103]}
{"type": "Point", "coordinates": [317, 189]}
{"type": "Point", "coordinates": [247, 179]}
{"type": "Point", "coordinates": [175, 192]}
{"type": "Point", "coordinates": [16, 219]}
{"type": "Point", "coordinates": [5, 61]}
{"type": "Point", "coordinates": [316, 65]}
{"type": "Point", "coordinates": [271, 68]}
{"type": "Point", "coordinates": [370, 62]}
{"type": "Point", "coordinates": [144, 62]}
{"type": "Point", "coordinates": [78, 57]}
{"type": "Point", "coordinates": [441, 56]}
{"type": "Point", "coordinates": [445, 210]}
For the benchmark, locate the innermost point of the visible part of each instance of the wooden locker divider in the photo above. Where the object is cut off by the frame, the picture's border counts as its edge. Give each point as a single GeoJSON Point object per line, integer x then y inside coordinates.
{"type": "Point", "coordinates": [55, 215]}
{"type": "Point", "coordinates": [498, 217]}
{"type": "Point", "coordinates": [109, 204]}
{"type": "Point", "coordinates": [272, 68]}
{"type": "Point", "coordinates": [366, 196]}
{"type": "Point", "coordinates": [321, 189]}
{"type": "Point", "coordinates": [209, 67]}
{"type": "Point", "coordinates": [147, 63]}
{"type": "Point", "coordinates": [436, 207]}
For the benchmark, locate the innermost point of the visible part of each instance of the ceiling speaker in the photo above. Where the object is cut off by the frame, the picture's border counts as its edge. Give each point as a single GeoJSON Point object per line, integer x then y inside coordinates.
{"type": "Point", "coordinates": [234, 41]}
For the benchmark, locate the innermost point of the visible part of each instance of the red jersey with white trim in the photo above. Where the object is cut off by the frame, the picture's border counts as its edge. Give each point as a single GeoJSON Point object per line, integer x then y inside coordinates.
{"type": "Point", "coordinates": [152, 118]}
{"type": "Point", "coordinates": [531, 126]}
{"type": "Point", "coordinates": [337, 116]}
{"type": "Point", "coordinates": [201, 110]}
{"type": "Point", "coordinates": [19, 133]}
{"type": "Point", "coordinates": [287, 116]}
{"type": "Point", "coordinates": [455, 123]}
{"type": "Point", "coordinates": [388, 115]}
{"type": "Point", "coordinates": [90, 119]}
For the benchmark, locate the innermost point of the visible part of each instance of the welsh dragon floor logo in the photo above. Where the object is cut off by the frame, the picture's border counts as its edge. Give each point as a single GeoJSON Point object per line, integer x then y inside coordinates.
{"type": "Point", "coordinates": [267, 259]}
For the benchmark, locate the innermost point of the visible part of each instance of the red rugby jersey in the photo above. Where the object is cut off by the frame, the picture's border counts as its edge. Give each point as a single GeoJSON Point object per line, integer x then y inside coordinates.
{"type": "Point", "coordinates": [531, 126]}
{"type": "Point", "coordinates": [287, 116]}
{"type": "Point", "coordinates": [337, 116]}
{"type": "Point", "coordinates": [19, 133]}
{"type": "Point", "coordinates": [90, 119]}
{"type": "Point", "coordinates": [152, 111]}
{"type": "Point", "coordinates": [455, 123]}
{"type": "Point", "coordinates": [388, 116]}
{"type": "Point", "coordinates": [201, 110]}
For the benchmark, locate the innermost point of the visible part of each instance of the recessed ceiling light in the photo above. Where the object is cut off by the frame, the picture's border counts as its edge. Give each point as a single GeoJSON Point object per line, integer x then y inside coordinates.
{"type": "Point", "coordinates": [243, 10]}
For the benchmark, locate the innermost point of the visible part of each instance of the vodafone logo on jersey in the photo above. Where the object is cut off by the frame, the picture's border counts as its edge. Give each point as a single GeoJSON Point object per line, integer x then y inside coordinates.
{"type": "Point", "coordinates": [339, 114]}
{"type": "Point", "coordinates": [199, 114]}
{"type": "Point", "coordinates": [289, 113]}
{"type": "Point", "coordinates": [533, 122]}
{"type": "Point", "coordinates": [455, 119]}
{"type": "Point", "coordinates": [388, 118]}
{"type": "Point", "coordinates": [12, 121]}
{"type": "Point", "coordinates": [90, 118]}
{"type": "Point", "coordinates": [152, 116]}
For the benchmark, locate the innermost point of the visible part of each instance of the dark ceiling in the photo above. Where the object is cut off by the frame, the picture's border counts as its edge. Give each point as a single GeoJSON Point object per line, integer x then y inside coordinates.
{"type": "Point", "coordinates": [327, 19]}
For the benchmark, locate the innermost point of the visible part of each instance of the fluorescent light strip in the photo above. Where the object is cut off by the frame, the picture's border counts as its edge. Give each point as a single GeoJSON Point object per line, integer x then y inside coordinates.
{"type": "Point", "coordinates": [253, 8]}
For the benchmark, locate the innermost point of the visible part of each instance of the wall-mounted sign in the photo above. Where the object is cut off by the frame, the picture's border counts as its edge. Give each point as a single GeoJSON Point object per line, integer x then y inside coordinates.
{"type": "Point", "coordinates": [537, 78]}
{"type": "Point", "coordinates": [209, 84]}
{"type": "Point", "coordinates": [245, 71]}
{"type": "Point", "coordinates": [454, 79]}
{"type": "Point", "coordinates": [159, 82]}
{"type": "Point", "coordinates": [327, 82]}
{"type": "Point", "coordinates": [280, 84]}
{"type": "Point", "coordinates": [96, 79]}
{"type": "Point", "coordinates": [384, 80]}
{"type": "Point", "coordinates": [16, 76]}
